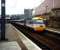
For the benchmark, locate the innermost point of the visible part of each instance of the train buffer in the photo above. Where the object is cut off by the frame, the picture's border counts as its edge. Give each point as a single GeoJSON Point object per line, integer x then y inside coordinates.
{"type": "Point", "coordinates": [15, 37]}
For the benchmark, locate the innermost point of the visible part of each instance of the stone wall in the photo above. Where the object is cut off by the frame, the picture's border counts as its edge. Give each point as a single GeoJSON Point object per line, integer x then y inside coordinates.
{"type": "Point", "coordinates": [54, 22]}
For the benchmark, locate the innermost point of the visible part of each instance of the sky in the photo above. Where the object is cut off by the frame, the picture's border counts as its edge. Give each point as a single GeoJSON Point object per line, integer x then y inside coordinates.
{"type": "Point", "coordinates": [18, 6]}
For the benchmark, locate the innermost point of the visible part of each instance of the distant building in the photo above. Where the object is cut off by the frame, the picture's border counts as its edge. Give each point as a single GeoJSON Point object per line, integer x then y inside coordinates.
{"type": "Point", "coordinates": [17, 17]}
{"type": "Point", "coordinates": [6, 16]}
{"type": "Point", "coordinates": [28, 13]}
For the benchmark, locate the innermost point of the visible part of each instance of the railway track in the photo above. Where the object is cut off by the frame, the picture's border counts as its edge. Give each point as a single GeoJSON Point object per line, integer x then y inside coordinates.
{"type": "Point", "coordinates": [46, 40]}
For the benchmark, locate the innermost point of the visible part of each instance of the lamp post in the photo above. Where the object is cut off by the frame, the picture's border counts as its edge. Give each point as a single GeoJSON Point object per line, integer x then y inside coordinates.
{"type": "Point", "coordinates": [46, 8]}
{"type": "Point", "coordinates": [2, 19]}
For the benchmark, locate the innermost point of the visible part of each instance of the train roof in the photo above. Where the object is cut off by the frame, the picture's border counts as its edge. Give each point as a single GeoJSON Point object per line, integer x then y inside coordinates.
{"type": "Point", "coordinates": [38, 18]}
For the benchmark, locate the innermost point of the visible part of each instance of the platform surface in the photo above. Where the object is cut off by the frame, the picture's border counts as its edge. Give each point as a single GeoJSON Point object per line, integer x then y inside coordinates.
{"type": "Point", "coordinates": [54, 30]}
{"type": "Point", "coordinates": [9, 46]}
{"type": "Point", "coordinates": [14, 34]}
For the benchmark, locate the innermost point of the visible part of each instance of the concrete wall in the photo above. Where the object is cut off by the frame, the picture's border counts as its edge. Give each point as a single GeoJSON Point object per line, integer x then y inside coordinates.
{"type": "Point", "coordinates": [46, 6]}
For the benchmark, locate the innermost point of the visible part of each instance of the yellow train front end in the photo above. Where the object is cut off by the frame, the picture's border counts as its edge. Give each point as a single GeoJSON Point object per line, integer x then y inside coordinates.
{"type": "Point", "coordinates": [39, 28]}
{"type": "Point", "coordinates": [38, 24]}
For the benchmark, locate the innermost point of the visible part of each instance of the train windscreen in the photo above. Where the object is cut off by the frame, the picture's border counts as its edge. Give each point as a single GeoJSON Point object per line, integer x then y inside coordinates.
{"type": "Point", "coordinates": [38, 22]}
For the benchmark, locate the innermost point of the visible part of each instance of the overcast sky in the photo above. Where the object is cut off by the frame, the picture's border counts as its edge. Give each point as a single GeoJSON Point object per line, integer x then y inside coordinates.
{"type": "Point", "coordinates": [18, 6]}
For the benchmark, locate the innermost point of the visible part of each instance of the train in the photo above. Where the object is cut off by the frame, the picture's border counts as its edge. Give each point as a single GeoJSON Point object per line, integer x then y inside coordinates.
{"type": "Point", "coordinates": [36, 23]}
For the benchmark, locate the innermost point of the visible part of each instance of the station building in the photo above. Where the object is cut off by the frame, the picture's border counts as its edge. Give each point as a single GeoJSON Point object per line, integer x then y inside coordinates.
{"type": "Point", "coordinates": [50, 9]}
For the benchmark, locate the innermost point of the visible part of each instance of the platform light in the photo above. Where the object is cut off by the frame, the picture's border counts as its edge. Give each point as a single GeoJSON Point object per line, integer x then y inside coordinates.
{"type": "Point", "coordinates": [3, 5]}
{"type": "Point", "coordinates": [3, 20]}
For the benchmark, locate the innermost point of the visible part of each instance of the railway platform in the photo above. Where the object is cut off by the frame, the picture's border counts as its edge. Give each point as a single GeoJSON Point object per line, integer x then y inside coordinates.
{"type": "Point", "coordinates": [15, 37]}
{"type": "Point", "coordinates": [53, 30]}
{"type": "Point", "coordinates": [9, 46]}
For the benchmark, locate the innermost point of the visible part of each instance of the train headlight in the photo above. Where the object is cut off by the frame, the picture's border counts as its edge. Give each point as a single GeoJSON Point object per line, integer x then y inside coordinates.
{"type": "Point", "coordinates": [41, 26]}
